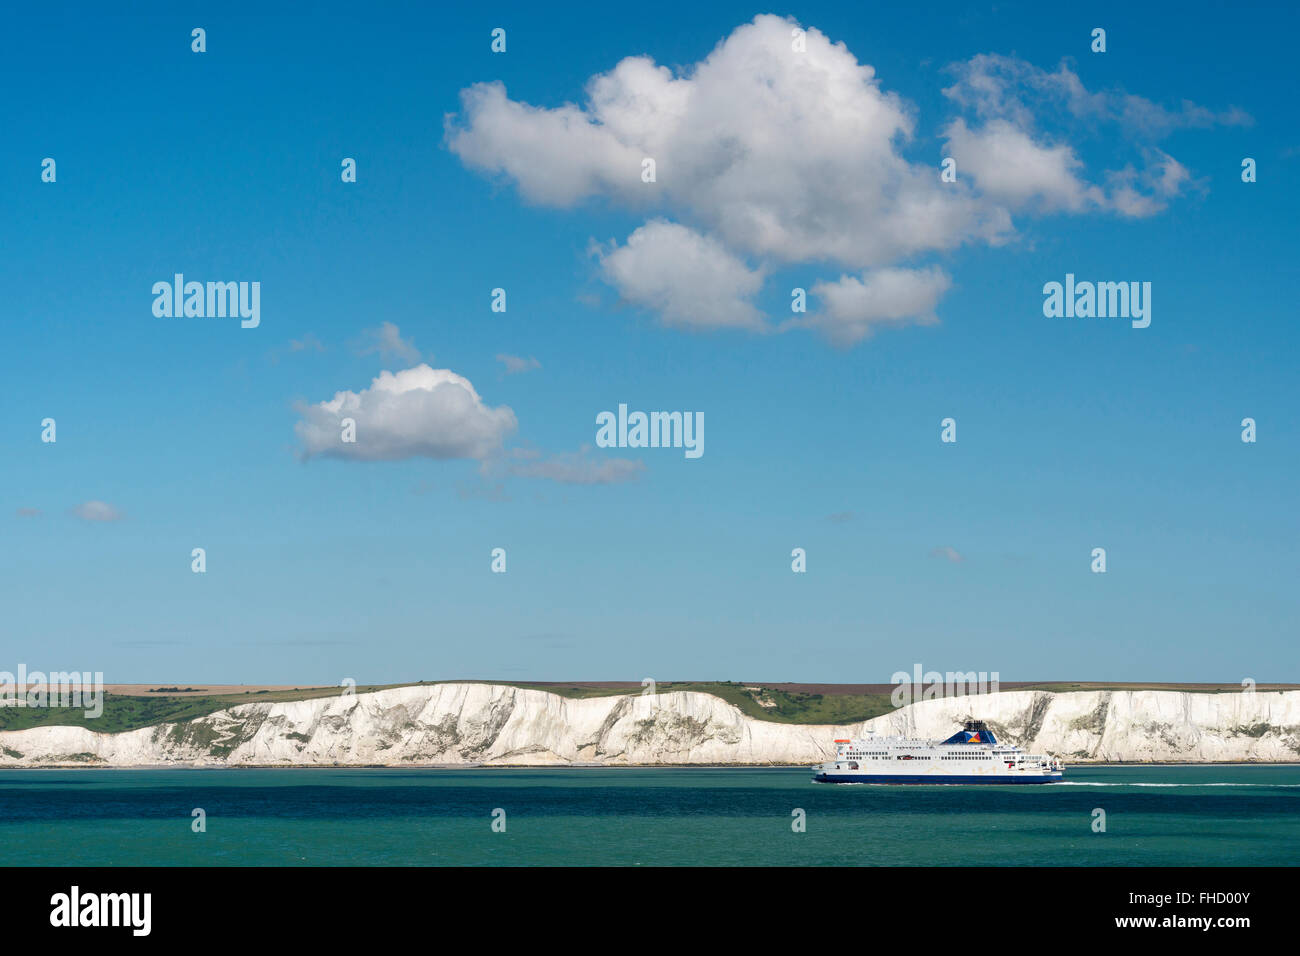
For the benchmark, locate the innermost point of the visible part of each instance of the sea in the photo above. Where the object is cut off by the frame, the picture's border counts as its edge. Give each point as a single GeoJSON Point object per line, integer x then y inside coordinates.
{"type": "Point", "coordinates": [1229, 815]}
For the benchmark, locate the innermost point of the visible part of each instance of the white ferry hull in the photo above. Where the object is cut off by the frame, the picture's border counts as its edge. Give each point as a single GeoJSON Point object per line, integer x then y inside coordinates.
{"type": "Point", "coordinates": [849, 776]}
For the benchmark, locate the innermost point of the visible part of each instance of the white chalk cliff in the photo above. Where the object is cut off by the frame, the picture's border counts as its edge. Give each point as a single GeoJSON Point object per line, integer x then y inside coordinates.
{"type": "Point", "coordinates": [467, 724]}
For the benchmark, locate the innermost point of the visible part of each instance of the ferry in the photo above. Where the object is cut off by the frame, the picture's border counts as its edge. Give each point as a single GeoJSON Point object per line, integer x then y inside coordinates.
{"type": "Point", "coordinates": [972, 755]}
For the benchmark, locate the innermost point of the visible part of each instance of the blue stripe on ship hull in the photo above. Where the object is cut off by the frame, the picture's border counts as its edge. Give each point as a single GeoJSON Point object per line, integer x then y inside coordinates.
{"type": "Point", "coordinates": [929, 778]}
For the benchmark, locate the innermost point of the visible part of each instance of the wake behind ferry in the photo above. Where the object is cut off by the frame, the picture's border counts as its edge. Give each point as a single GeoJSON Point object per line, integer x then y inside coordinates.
{"type": "Point", "coordinates": [972, 755]}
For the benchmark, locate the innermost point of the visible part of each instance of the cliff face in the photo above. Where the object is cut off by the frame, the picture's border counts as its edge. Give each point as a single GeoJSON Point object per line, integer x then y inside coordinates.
{"type": "Point", "coordinates": [461, 724]}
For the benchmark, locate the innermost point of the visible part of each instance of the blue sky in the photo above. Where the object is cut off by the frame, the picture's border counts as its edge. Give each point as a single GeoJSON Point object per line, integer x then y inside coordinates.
{"type": "Point", "coordinates": [625, 563]}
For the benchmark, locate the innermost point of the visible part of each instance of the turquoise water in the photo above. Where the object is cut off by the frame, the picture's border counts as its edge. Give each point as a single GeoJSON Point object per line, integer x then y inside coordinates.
{"type": "Point", "coordinates": [1155, 816]}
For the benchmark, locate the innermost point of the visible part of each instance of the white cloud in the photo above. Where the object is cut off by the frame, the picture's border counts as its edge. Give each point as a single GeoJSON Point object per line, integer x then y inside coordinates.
{"type": "Point", "coordinates": [556, 156]}
{"type": "Point", "coordinates": [766, 158]}
{"type": "Point", "coordinates": [424, 412]}
{"type": "Point", "coordinates": [948, 553]}
{"type": "Point", "coordinates": [690, 279]}
{"type": "Point", "coordinates": [1168, 174]}
{"type": "Point", "coordinates": [854, 307]}
{"type": "Point", "coordinates": [1011, 168]}
{"type": "Point", "coordinates": [1145, 192]}
{"type": "Point", "coordinates": [420, 412]}
{"type": "Point", "coordinates": [388, 343]}
{"type": "Point", "coordinates": [788, 156]}
{"type": "Point", "coordinates": [28, 512]}
{"type": "Point", "coordinates": [97, 511]}
{"type": "Point", "coordinates": [1012, 161]}
{"type": "Point", "coordinates": [515, 364]}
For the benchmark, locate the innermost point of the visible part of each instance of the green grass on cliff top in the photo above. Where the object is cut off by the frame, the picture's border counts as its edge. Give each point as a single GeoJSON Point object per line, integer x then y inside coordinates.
{"type": "Point", "coordinates": [761, 701]}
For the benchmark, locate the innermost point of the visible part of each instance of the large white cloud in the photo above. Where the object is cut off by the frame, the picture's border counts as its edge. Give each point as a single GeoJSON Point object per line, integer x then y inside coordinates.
{"type": "Point", "coordinates": [418, 412]}
{"type": "Point", "coordinates": [793, 156]}
{"type": "Point", "coordinates": [770, 155]}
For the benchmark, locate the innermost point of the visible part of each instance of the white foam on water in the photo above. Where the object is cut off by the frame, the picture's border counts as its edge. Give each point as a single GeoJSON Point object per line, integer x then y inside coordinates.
{"type": "Point", "coordinates": [1091, 783]}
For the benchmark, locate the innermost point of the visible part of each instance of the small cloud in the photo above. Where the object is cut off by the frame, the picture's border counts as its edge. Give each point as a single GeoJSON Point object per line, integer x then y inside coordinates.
{"type": "Point", "coordinates": [387, 341]}
{"type": "Point", "coordinates": [28, 512]}
{"type": "Point", "coordinates": [581, 468]}
{"type": "Point", "coordinates": [296, 642]}
{"type": "Point", "coordinates": [515, 364]}
{"type": "Point", "coordinates": [841, 517]}
{"type": "Point", "coordinates": [97, 511]}
{"type": "Point", "coordinates": [855, 307]}
{"type": "Point", "coordinates": [308, 343]}
{"type": "Point", "coordinates": [419, 412]}
{"type": "Point", "coordinates": [307, 643]}
{"type": "Point", "coordinates": [950, 553]}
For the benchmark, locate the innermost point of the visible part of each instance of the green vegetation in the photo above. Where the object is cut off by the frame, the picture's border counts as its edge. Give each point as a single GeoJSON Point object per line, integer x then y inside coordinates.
{"type": "Point", "coordinates": [124, 712]}
{"type": "Point", "coordinates": [82, 757]}
{"type": "Point", "coordinates": [785, 707]}
{"type": "Point", "coordinates": [753, 700]}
